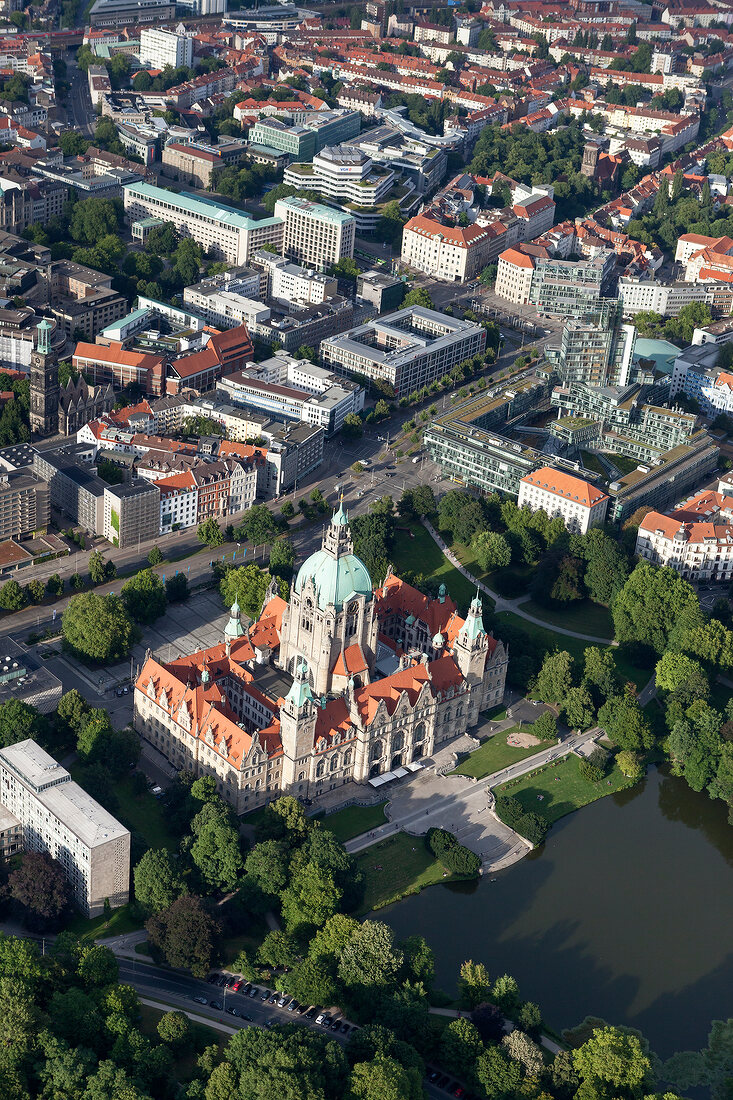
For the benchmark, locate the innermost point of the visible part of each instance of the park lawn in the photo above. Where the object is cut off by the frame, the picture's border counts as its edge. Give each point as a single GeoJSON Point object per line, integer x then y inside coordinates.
{"type": "Point", "coordinates": [248, 941]}
{"type": "Point", "coordinates": [627, 671]}
{"type": "Point", "coordinates": [184, 1061]}
{"type": "Point", "coordinates": [421, 554]}
{"type": "Point", "coordinates": [545, 636]}
{"type": "Point", "coordinates": [582, 615]}
{"type": "Point", "coordinates": [354, 820]}
{"type": "Point", "coordinates": [119, 923]}
{"type": "Point", "coordinates": [495, 754]}
{"type": "Point", "coordinates": [144, 814]}
{"type": "Point", "coordinates": [562, 788]}
{"type": "Point", "coordinates": [406, 867]}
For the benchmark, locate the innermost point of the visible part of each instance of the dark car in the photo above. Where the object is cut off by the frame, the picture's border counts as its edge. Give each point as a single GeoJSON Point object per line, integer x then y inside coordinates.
{"type": "Point", "coordinates": [222, 979]}
{"type": "Point", "coordinates": [253, 991]}
{"type": "Point", "coordinates": [215, 1004]}
{"type": "Point", "coordinates": [273, 998]}
{"type": "Point", "coordinates": [292, 1006]}
{"type": "Point", "coordinates": [345, 1029]}
{"type": "Point", "coordinates": [212, 978]}
{"type": "Point", "coordinates": [265, 996]}
{"type": "Point", "coordinates": [231, 980]}
{"type": "Point", "coordinates": [301, 1010]}
{"type": "Point", "coordinates": [233, 1011]}
{"type": "Point", "coordinates": [244, 1016]}
{"type": "Point", "coordinates": [335, 1023]}
{"type": "Point", "coordinates": [433, 1077]}
{"type": "Point", "coordinates": [326, 1021]}
{"type": "Point", "coordinates": [312, 1013]}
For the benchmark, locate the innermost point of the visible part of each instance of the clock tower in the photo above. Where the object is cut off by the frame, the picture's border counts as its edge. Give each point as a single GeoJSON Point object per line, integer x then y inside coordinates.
{"type": "Point", "coordinates": [44, 379]}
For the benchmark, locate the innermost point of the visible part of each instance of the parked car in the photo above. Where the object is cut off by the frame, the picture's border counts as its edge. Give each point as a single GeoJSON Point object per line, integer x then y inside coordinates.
{"type": "Point", "coordinates": [253, 991]}
{"type": "Point", "coordinates": [326, 1021]}
{"type": "Point", "coordinates": [320, 1017]}
{"type": "Point", "coordinates": [215, 1004]}
{"type": "Point", "coordinates": [200, 1000]}
{"type": "Point", "coordinates": [312, 1012]}
{"type": "Point", "coordinates": [301, 1010]}
{"type": "Point", "coordinates": [433, 1077]}
{"type": "Point", "coordinates": [459, 1092]}
{"type": "Point", "coordinates": [292, 1006]}
{"type": "Point", "coordinates": [265, 996]}
{"type": "Point", "coordinates": [212, 978]}
{"type": "Point", "coordinates": [335, 1023]}
{"type": "Point", "coordinates": [345, 1029]}
{"type": "Point", "coordinates": [282, 1000]}
{"type": "Point", "coordinates": [233, 1011]}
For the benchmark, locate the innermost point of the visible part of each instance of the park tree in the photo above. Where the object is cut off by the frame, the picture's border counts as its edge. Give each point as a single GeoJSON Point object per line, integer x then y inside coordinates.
{"type": "Point", "coordinates": [185, 934]}
{"type": "Point", "coordinates": [97, 966]}
{"type": "Point", "coordinates": [55, 586]}
{"type": "Point", "coordinates": [630, 765]}
{"type": "Point", "coordinates": [283, 819]}
{"type": "Point", "coordinates": [258, 525]}
{"type": "Point", "coordinates": [614, 1059]}
{"type": "Point", "coordinates": [176, 587]}
{"type": "Point", "coordinates": [460, 1046]}
{"type": "Point", "coordinates": [155, 556]}
{"type": "Point", "coordinates": [545, 727]}
{"type": "Point", "coordinates": [99, 569]}
{"type": "Point", "coordinates": [97, 627]}
{"type": "Point", "coordinates": [217, 854]}
{"type": "Point", "coordinates": [278, 949]}
{"type": "Point", "coordinates": [491, 550]}
{"type": "Point", "coordinates": [577, 708]}
{"type": "Point", "coordinates": [555, 678]}
{"type": "Point", "coordinates": [40, 886]}
{"type": "Point", "coordinates": [505, 993]}
{"type": "Point", "coordinates": [606, 566]}
{"type": "Point", "coordinates": [625, 723]}
{"type": "Point", "coordinates": [418, 297]}
{"type": "Point", "coordinates": [417, 502]}
{"type": "Point", "coordinates": [384, 1078]}
{"type": "Point", "coordinates": [474, 983]}
{"type": "Point", "coordinates": [370, 959]}
{"type": "Point", "coordinates": [210, 533]}
{"type": "Point", "coordinates": [12, 596]}
{"type": "Point", "coordinates": [675, 671]}
{"type": "Point", "coordinates": [20, 721]}
{"type": "Point", "coordinates": [282, 559]}
{"type": "Point", "coordinates": [267, 863]}
{"type": "Point", "coordinates": [524, 1050]}
{"type": "Point", "coordinates": [72, 710]}
{"type": "Point", "coordinates": [35, 591]}
{"type": "Point", "coordinates": [352, 426]}
{"type": "Point", "coordinates": [649, 605]}
{"type": "Point", "coordinates": [158, 879]}
{"type": "Point", "coordinates": [143, 597]}
{"type": "Point", "coordinates": [498, 1076]}
{"type": "Point", "coordinates": [174, 1028]}
{"type": "Point", "coordinates": [247, 584]}
{"type": "Point", "coordinates": [310, 898]}
{"type": "Point", "coordinates": [599, 671]}
{"type": "Point", "coordinates": [312, 982]}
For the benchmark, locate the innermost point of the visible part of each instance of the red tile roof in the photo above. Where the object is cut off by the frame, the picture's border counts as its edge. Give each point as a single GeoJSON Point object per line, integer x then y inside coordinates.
{"type": "Point", "coordinates": [566, 486]}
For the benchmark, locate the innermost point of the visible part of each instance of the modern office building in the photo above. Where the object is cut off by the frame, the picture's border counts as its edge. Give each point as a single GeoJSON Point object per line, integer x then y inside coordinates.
{"type": "Point", "coordinates": [570, 288]}
{"type": "Point", "coordinates": [596, 348]}
{"type": "Point", "coordinates": [312, 234]}
{"type": "Point", "coordinates": [299, 142]}
{"type": "Point", "coordinates": [381, 290]}
{"type": "Point", "coordinates": [222, 230]}
{"type": "Point", "coordinates": [343, 173]}
{"type": "Point", "coordinates": [25, 507]}
{"type": "Point", "coordinates": [667, 481]}
{"type": "Point", "coordinates": [408, 349]}
{"type": "Point", "coordinates": [120, 13]}
{"type": "Point", "coordinates": [159, 48]}
{"type": "Point", "coordinates": [58, 817]}
{"type": "Point", "coordinates": [289, 282]}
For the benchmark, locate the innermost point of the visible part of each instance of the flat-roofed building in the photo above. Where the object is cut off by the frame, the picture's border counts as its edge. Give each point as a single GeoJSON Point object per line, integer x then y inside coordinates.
{"type": "Point", "coordinates": [315, 235]}
{"type": "Point", "coordinates": [159, 48]}
{"type": "Point", "coordinates": [58, 817]}
{"type": "Point", "coordinates": [227, 233]}
{"type": "Point", "coordinates": [579, 504]}
{"type": "Point", "coordinates": [191, 163]}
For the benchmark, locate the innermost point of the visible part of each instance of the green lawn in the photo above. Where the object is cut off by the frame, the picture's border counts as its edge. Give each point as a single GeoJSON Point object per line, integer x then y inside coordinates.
{"type": "Point", "coordinates": [545, 636]}
{"type": "Point", "coordinates": [397, 867]}
{"type": "Point", "coordinates": [582, 615]}
{"type": "Point", "coordinates": [184, 1062]}
{"type": "Point", "coordinates": [562, 788]}
{"type": "Point", "coordinates": [627, 671]}
{"type": "Point", "coordinates": [119, 923]}
{"type": "Point", "coordinates": [354, 820]}
{"type": "Point", "coordinates": [144, 814]}
{"type": "Point", "coordinates": [247, 941]}
{"type": "Point", "coordinates": [494, 755]}
{"type": "Point", "coordinates": [422, 555]}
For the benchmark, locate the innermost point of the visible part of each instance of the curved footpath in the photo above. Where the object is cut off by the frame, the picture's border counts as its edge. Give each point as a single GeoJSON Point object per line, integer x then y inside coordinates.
{"type": "Point", "coordinates": [463, 806]}
{"type": "Point", "coordinates": [502, 604]}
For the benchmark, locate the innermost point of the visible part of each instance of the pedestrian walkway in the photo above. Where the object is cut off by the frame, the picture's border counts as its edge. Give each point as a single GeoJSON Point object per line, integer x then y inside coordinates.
{"type": "Point", "coordinates": [464, 806]}
{"type": "Point", "coordinates": [513, 606]}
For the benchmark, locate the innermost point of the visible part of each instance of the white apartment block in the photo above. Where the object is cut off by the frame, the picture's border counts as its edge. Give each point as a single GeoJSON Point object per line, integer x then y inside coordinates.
{"type": "Point", "coordinates": [221, 230]}
{"type": "Point", "coordinates": [696, 540]}
{"type": "Point", "coordinates": [315, 235]}
{"type": "Point", "coordinates": [514, 273]}
{"type": "Point", "coordinates": [179, 495]}
{"type": "Point", "coordinates": [668, 299]}
{"type": "Point", "coordinates": [159, 48]}
{"type": "Point", "coordinates": [344, 173]}
{"type": "Point", "coordinates": [290, 282]}
{"type": "Point", "coordinates": [579, 504]}
{"type": "Point", "coordinates": [445, 251]}
{"type": "Point", "coordinates": [58, 817]}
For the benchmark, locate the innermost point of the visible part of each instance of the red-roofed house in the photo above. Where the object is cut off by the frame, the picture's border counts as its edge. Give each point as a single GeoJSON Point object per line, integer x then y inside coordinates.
{"type": "Point", "coordinates": [579, 504]}
{"type": "Point", "coordinates": [696, 539]}
{"type": "Point", "coordinates": [343, 683]}
{"type": "Point", "coordinates": [514, 273]}
{"type": "Point", "coordinates": [445, 251]}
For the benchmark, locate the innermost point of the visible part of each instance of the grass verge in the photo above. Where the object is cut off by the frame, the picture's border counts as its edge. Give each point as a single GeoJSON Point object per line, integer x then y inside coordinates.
{"type": "Point", "coordinates": [494, 755]}
{"type": "Point", "coordinates": [559, 789]}
{"type": "Point", "coordinates": [354, 820]}
{"type": "Point", "coordinates": [397, 867]}
{"type": "Point", "coordinates": [422, 555]}
{"type": "Point", "coordinates": [119, 923]}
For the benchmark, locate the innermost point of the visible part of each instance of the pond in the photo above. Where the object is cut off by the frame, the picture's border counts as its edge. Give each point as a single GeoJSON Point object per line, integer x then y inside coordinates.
{"type": "Point", "coordinates": [625, 913]}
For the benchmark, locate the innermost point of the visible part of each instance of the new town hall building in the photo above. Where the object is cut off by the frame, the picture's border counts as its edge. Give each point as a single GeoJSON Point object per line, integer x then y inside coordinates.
{"type": "Point", "coordinates": [342, 683]}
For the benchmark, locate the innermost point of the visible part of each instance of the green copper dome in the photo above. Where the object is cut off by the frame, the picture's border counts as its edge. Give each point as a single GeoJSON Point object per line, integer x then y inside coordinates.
{"type": "Point", "coordinates": [336, 579]}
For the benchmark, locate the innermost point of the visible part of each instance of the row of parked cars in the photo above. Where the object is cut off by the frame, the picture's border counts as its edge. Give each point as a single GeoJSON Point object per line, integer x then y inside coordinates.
{"type": "Point", "coordinates": [280, 1000]}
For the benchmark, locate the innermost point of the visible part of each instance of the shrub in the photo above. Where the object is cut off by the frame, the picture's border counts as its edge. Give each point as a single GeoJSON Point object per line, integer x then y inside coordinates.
{"type": "Point", "coordinates": [454, 856]}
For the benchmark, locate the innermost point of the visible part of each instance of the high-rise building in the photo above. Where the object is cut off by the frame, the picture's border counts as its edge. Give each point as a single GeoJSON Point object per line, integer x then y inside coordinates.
{"type": "Point", "coordinates": [596, 348]}
{"type": "Point", "coordinates": [44, 383]}
{"type": "Point", "coordinates": [315, 235]}
{"type": "Point", "coordinates": [159, 48]}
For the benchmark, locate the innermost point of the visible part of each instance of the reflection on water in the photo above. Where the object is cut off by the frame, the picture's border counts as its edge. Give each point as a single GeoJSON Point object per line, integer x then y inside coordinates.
{"type": "Point", "coordinates": [624, 913]}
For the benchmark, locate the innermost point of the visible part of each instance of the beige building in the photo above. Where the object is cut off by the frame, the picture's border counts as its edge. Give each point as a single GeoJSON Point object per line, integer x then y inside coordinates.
{"type": "Point", "coordinates": [56, 816]}
{"type": "Point", "coordinates": [446, 251]}
{"type": "Point", "coordinates": [190, 163]}
{"type": "Point", "coordinates": [696, 539]}
{"type": "Point", "coordinates": [314, 235]}
{"type": "Point", "coordinates": [514, 276]}
{"type": "Point", "coordinates": [579, 504]}
{"type": "Point", "coordinates": [346, 682]}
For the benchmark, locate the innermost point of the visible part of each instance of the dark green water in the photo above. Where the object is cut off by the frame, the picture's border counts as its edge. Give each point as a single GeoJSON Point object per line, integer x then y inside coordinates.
{"type": "Point", "coordinates": [626, 913]}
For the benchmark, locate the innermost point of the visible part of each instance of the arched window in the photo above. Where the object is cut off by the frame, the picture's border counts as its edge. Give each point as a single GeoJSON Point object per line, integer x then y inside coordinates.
{"type": "Point", "coordinates": [347, 758]}
{"type": "Point", "coordinates": [419, 732]}
{"type": "Point", "coordinates": [319, 768]}
{"type": "Point", "coordinates": [397, 742]}
{"type": "Point", "coordinates": [334, 762]}
{"type": "Point", "coordinates": [377, 750]}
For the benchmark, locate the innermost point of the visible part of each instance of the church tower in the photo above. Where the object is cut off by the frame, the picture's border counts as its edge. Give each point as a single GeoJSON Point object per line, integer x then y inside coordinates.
{"type": "Point", "coordinates": [470, 650]}
{"type": "Point", "coordinates": [44, 383]}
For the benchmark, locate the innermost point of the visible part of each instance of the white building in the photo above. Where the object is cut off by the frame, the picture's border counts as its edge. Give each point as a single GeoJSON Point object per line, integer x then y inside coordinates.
{"type": "Point", "coordinates": [289, 282]}
{"type": "Point", "coordinates": [696, 539]}
{"type": "Point", "coordinates": [159, 48]}
{"type": "Point", "coordinates": [445, 251]}
{"type": "Point", "coordinates": [222, 230]}
{"type": "Point", "coordinates": [579, 504]}
{"type": "Point", "coordinates": [314, 235]}
{"type": "Point", "coordinates": [514, 273]}
{"type": "Point", "coordinates": [344, 173]}
{"type": "Point", "coordinates": [58, 817]}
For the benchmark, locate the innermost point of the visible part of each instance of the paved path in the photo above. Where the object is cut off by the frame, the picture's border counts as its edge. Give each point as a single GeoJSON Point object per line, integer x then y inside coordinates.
{"type": "Point", "coordinates": [648, 692]}
{"type": "Point", "coordinates": [461, 805]}
{"type": "Point", "coordinates": [514, 606]}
